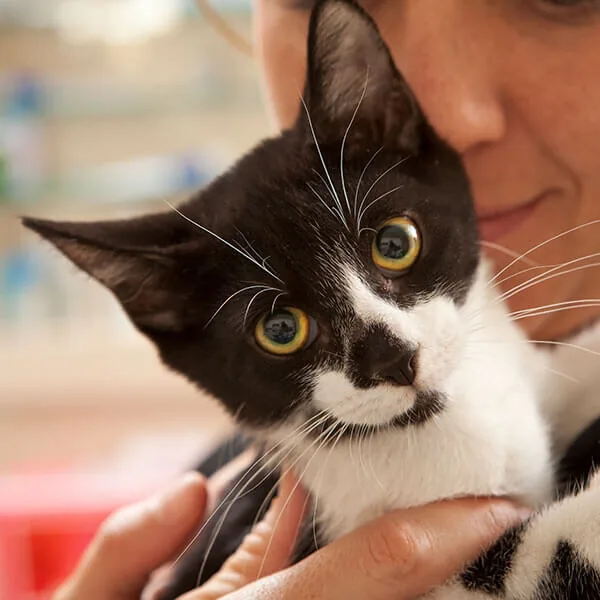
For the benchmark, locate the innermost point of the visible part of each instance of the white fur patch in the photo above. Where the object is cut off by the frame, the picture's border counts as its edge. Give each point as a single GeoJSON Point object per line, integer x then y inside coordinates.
{"type": "Point", "coordinates": [574, 520]}
{"type": "Point", "coordinates": [572, 389]}
{"type": "Point", "coordinates": [434, 326]}
{"type": "Point", "coordinates": [377, 406]}
{"type": "Point", "coordinates": [489, 440]}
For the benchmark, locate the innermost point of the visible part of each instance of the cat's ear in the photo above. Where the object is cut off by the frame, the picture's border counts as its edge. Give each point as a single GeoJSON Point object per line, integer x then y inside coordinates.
{"type": "Point", "coordinates": [139, 260]}
{"type": "Point", "coordinates": [352, 78]}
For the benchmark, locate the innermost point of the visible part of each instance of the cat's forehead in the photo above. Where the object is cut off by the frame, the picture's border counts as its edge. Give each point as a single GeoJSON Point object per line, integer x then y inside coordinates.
{"type": "Point", "coordinates": [313, 224]}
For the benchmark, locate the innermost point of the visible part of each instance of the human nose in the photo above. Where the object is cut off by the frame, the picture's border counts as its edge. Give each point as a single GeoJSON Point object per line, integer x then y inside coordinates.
{"type": "Point", "coordinates": [447, 51]}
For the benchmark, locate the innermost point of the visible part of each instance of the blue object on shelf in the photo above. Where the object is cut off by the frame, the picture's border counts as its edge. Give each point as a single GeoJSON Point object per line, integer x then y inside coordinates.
{"type": "Point", "coordinates": [19, 271]}
{"type": "Point", "coordinates": [26, 97]}
{"type": "Point", "coordinates": [19, 274]}
{"type": "Point", "coordinates": [190, 173]}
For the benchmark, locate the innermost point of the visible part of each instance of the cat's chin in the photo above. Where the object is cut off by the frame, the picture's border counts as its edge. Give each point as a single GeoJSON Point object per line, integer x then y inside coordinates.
{"type": "Point", "coordinates": [427, 405]}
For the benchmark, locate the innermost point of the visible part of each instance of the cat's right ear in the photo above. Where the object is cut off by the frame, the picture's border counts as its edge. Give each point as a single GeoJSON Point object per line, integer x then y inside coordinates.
{"type": "Point", "coordinates": [352, 80]}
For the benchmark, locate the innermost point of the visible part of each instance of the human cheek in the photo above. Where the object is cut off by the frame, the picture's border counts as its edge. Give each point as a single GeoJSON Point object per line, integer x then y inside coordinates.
{"type": "Point", "coordinates": [281, 52]}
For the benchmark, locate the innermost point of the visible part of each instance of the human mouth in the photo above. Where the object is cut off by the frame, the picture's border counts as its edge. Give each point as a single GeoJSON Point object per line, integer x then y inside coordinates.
{"type": "Point", "coordinates": [497, 224]}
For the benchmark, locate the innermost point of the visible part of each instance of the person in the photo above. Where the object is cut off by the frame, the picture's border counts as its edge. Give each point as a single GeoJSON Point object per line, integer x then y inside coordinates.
{"type": "Point", "coordinates": [512, 86]}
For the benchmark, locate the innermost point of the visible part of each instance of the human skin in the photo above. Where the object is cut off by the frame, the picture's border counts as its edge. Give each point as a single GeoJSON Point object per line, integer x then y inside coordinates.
{"type": "Point", "coordinates": [397, 557]}
{"type": "Point", "coordinates": [513, 87]}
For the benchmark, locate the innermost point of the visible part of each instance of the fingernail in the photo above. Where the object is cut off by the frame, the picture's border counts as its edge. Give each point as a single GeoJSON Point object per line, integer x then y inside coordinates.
{"type": "Point", "coordinates": [167, 503]}
{"type": "Point", "coordinates": [524, 513]}
{"type": "Point", "coordinates": [182, 484]}
{"type": "Point", "coordinates": [508, 514]}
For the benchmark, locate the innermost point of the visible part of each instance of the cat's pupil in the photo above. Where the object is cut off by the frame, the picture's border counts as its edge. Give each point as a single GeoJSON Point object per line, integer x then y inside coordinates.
{"type": "Point", "coordinates": [281, 327]}
{"type": "Point", "coordinates": [393, 242]}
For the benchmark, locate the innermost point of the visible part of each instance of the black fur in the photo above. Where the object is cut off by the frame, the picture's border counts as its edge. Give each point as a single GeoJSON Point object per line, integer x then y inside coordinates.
{"type": "Point", "coordinates": [569, 577]}
{"type": "Point", "coordinates": [173, 277]}
{"type": "Point", "coordinates": [225, 531]}
{"type": "Point", "coordinates": [489, 572]}
{"type": "Point", "coordinates": [580, 461]}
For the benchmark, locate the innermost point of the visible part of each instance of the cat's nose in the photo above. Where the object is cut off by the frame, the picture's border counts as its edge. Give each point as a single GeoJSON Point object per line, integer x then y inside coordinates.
{"type": "Point", "coordinates": [401, 370]}
{"type": "Point", "coordinates": [378, 357]}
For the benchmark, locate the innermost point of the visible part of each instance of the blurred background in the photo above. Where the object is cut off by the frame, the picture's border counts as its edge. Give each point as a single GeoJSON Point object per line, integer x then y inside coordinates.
{"type": "Point", "coordinates": [107, 108]}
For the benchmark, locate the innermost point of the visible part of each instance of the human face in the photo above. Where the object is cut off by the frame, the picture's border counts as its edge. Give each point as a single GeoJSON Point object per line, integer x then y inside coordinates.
{"type": "Point", "coordinates": [512, 86]}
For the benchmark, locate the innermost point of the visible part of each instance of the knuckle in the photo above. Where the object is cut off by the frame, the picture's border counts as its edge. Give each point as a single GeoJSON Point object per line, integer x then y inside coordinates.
{"type": "Point", "coordinates": [394, 551]}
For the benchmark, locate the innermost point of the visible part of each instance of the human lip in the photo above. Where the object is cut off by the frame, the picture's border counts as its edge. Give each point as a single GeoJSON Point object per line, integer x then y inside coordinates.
{"type": "Point", "coordinates": [496, 224]}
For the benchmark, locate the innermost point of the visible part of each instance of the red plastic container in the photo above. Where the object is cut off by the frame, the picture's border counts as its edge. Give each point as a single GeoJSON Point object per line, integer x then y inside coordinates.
{"type": "Point", "coordinates": [48, 519]}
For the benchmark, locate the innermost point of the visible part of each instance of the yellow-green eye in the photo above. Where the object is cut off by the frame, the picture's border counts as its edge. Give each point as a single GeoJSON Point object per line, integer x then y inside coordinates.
{"type": "Point", "coordinates": [283, 332]}
{"type": "Point", "coordinates": [397, 245]}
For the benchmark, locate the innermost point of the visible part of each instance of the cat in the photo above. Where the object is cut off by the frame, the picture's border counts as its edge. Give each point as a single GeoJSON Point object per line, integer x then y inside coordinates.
{"type": "Point", "coordinates": [329, 291]}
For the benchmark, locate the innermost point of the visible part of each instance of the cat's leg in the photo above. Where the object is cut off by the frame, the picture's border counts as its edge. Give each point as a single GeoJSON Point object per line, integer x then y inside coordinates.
{"type": "Point", "coordinates": [553, 556]}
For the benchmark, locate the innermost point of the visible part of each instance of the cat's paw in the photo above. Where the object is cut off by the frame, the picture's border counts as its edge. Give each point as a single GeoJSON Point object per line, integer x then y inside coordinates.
{"type": "Point", "coordinates": [553, 556]}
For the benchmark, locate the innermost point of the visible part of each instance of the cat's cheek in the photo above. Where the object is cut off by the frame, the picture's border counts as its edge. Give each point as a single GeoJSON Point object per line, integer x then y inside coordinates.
{"type": "Point", "coordinates": [442, 335]}
{"type": "Point", "coordinates": [335, 393]}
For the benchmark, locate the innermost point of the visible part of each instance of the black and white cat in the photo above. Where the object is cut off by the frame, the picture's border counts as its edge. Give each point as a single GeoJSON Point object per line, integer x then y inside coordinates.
{"type": "Point", "coordinates": [328, 290]}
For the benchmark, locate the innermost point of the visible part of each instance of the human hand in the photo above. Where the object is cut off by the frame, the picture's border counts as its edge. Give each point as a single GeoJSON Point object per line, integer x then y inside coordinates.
{"type": "Point", "coordinates": [140, 540]}
{"type": "Point", "coordinates": [401, 555]}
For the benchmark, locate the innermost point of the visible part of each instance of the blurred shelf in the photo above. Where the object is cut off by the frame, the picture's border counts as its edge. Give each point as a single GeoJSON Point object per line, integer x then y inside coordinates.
{"type": "Point", "coordinates": [89, 368]}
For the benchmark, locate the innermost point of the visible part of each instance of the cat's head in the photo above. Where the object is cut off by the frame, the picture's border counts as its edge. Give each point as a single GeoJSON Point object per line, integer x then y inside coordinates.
{"type": "Point", "coordinates": [326, 272]}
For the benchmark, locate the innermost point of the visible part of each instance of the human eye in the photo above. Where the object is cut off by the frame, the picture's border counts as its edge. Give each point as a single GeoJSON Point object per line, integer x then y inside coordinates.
{"type": "Point", "coordinates": [308, 5]}
{"type": "Point", "coordinates": [302, 5]}
{"type": "Point", "coordinates": [569, 10]}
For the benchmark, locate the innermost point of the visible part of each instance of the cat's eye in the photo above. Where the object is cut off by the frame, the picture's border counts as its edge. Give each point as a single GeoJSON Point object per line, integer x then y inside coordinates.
{"type": "Point", "coordinates": [396, 246]}
{"type": "Point", "coordinates": [285, 331]}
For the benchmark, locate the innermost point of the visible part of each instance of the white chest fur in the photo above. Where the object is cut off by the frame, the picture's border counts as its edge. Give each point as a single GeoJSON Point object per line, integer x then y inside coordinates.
{"type": "Point", "coordinates": [465, 451]}
{"type": "Point", "coordinates": [489, 440]}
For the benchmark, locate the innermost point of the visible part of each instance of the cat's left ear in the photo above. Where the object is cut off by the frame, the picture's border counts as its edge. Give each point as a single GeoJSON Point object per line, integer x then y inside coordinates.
{"type": "Point", "coordinates": [142, 261]}
{"type": "Point", "coordinates": [352, 78]}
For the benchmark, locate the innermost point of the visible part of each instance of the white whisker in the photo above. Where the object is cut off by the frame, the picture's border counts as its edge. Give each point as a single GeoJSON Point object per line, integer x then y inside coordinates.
{"type": "Point", "coordinates": [254, 298]}
{"type": "Point", "coordinates": [312, 129]}
{"type": "Point", "coordinates": [566, 303]}
{"type": "Point", "coordinates": [250, 287]}
{"type": "Point", "coordinates": [552, 311]}
{"type": "Point", "coordinates": [542, 244]}
{"type": "Point", "coordinates": [394, 166]}
{"type": "Point", "coordinates": [244, 490]}
{"type": "Point", "coordinates": [300, 478]}
{"type": "Point", "coordinates": [345, 138]}
{"type": "Point", "coordinates": [332, 210]}
{"type": "Point", "coordinates": [550, 274]}
{"type": "Point", "coordinates": [275, 301]}
{"type": "Point", "coordinates": [519, 273]}
{"type": "Point", "coordinates": [508, 252]}
{"type": "Point", "coordinates": [224, 241]}
{"type": "Point", "coordinates": [361, 178]}
{"type": "Point", "coordinates": [309, 425]}
{"type": "Point", "coordinates": [339, 209]}
{"type": "Point", "coordinates": [250, 247]}
{"type": "Point", "coordinates": [364, 211]}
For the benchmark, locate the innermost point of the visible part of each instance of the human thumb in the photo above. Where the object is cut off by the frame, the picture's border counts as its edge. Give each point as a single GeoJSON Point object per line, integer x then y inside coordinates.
{"type": "Point", "coordinates": [135, 540]}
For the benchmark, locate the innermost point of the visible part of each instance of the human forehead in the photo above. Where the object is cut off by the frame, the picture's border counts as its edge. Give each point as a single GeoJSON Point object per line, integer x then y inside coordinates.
{"type": "Point", "coordinates": [520, 13]}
